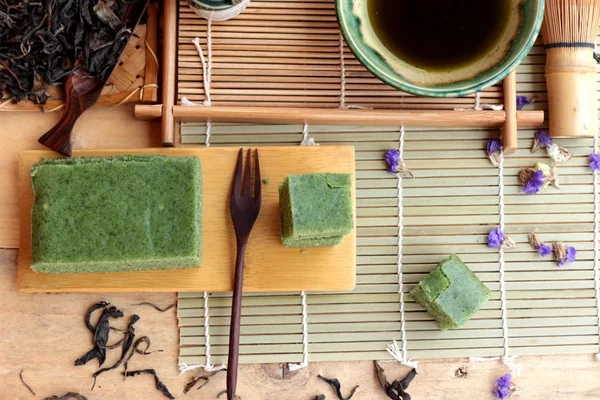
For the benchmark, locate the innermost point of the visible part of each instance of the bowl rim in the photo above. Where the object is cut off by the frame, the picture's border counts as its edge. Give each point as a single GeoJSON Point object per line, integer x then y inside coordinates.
{"type": "Point", "coordinates": [442, 91]}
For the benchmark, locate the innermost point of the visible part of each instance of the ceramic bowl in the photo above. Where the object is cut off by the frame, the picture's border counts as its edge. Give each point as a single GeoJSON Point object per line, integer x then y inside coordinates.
{"type": "Point", "coordinates": [516, 41]}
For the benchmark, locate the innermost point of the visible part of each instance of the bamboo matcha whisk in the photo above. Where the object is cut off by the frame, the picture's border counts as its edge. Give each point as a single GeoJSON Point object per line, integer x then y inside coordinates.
{"type": "Point", "coordinates": [569, 32]}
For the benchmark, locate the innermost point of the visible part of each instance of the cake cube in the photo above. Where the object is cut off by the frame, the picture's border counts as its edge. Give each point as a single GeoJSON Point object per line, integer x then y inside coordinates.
{"type": "Point", "coordinates": [451, 293]}
{"type": "Point", "coordinates": [110, 214]}
{"type": "Point", "coordinates": [316, 209]}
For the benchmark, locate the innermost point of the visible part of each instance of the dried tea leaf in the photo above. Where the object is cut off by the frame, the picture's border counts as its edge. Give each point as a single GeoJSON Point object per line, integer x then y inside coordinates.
{"type": "Point", "coordinates": [25, 383]}
{"type": "Point", "coordinates": [203, 378]}
{"type": "Point", "coordinates": [159, 385]}
{"type": "Point", "coordinates": [157, 308]}
{"type": "Point", "coordinates": [335, 384]}
{"type": "Point", "coordinates": [100, 337]}
{"type": "Point", "coordinates": [67, 396]}
{"type": "Point", "coordinates": [397, 389]}
{"type": "Point", "coordinates": [236, 397]}
{"type": "Point", "coordinates": [143, 340]}
{"type": "Point", "coordinates": [127, 343]}
{"type": "Point", "coordinates": [90, 311]}
{"type": "Point", "coordinates": [320, 397]}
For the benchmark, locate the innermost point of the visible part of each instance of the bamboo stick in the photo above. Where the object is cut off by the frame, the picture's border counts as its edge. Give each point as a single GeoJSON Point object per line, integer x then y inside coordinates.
{"type": "Point", "coordinates": [169, 64]}
{"type": "Point", "coordinates": [509, 130]}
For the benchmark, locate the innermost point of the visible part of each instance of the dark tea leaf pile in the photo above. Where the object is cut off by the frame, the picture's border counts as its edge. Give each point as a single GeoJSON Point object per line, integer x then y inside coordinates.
{"type": "Point", "coordinates": [43, 42]}
{"type": "Point", "coordinates": [129, 345]}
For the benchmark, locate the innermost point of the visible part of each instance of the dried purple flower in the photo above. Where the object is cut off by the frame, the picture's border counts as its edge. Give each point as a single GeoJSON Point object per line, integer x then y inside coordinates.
{"type": "Point", "coordinates": [493, 146]}
{"type": "Point", "coordinates": [497, 239]}
{"type": "Point", "coordinates": [595, 162]}
{"type": "Point", "coordinates": [502, 385]}
{"type": "Point", "coordinates": [494, 151]}
{"type": "Point", "coordinates": [535, 182]}
{"type": "Point", "coordinates": [542, 139]}
{"type": "Point", "coordinates": [392, 158]}
{"type": "Point", "coordinates": [558, 153]}
{"type": "Point", "coordinates": [564, 254]}
{"type": "Point", "coordinates": [571, 254]}
{"type": "Point", "coordinates": [522, 101]}
{"type": "Point", "coordinates": [537, 244]}
{"type": "Point", "coordinates": [544, 250]}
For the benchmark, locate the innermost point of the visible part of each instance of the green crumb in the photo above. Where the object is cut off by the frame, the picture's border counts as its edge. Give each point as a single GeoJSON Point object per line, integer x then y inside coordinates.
{"type": "Point", "coordinates": [111, 214]}
{"type": "Point", "coordinates": [451, 293]}
{"type": "Point", "coordinates": [266, 181]}
{"type": "Point", "coordinates": [303, 251]}
{"type": "Point", "coordinates": [316, 209]}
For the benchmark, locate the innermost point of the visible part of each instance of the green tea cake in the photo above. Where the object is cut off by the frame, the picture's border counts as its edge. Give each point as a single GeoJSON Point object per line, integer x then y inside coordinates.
{"type": "Point", "coordinates": [110, 214]}
{"type": "Point", "coordinates": [451, 293]}
{"type": "Point", "coordinates": [316, 209]}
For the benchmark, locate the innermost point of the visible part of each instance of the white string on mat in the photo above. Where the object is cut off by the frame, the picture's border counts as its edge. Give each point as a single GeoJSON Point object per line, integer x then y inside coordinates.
{"type": "Point", "coordinates": [479, 106]}
{"type": "Point", "coordinates": [508, 361]}
{"type": "Point", "coordinates": [306, 140]}
{"type": "Point", "coordinates": [207, 366]}
{"type": "Point", "coordinates": [596, 249]}
{"type": "Point", "coordinates": [395, 351]}
{"type": "Point", "coordinates": [304, 363]}
{"type": "Point", "coordinates": [221, 15]}
{"type": "Point", "coordinates": [206, 76]}
{"type": "Point", "coordinates": [343, 104]}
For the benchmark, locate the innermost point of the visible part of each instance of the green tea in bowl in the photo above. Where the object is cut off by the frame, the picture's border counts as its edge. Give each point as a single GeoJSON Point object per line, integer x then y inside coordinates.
{"type": "Point", "coordinates": [439, 47]}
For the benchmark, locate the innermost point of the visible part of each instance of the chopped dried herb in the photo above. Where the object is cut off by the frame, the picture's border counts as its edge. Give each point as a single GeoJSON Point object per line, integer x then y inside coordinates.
{"type": "Point", "coordinates": [335, 384]}
{"type": "Point", "coordinates": [461, 372]}
{"type": "Point", "coordinates": [25, 383]}
{"type": "Point", "coordinates": [157, 308]}
{"type": "Point", "coordinates": [68, 396]}
{"type": "Point", "coordinates": [204, 378]}
{"type": "Point", "coordinates": [159, 385]}
{"type": "Point", "coordinates": [397, 389]}
{"type": "Point", "coordinates": [42, 43]}
{"type": "Point", "coordinates": [100, 336]}
{"type": "Point", "coordinates": [127, 343]}
{"type": "Point", "coordinates": [320, 397]}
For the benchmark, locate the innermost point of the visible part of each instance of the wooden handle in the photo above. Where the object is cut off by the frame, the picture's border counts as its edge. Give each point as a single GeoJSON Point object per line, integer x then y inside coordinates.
{"type": "Point", "coordinates": [444, 118]}
{"type": "Point", "coordinates": [169, 66]}
{"type": "Point", "coordinates": [509, 130]}
{"type": "Point", "coordinates": [572, 96]}
{"type": "Point", "coordinates": [80, 94]}
{"type": "Point", "coordinates": [236, 315]}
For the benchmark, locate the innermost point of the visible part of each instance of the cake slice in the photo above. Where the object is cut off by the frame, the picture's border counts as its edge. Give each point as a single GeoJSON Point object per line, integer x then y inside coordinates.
{"type": "Point", "coordinates": [123, 213]}
{"type": "Point", "coordinates": [316, 209]}
{"type": "Point", "coordinates": [451, 293]}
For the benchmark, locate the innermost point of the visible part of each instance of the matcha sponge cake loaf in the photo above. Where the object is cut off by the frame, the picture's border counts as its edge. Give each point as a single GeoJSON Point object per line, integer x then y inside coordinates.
{"type": "Point", "coordinates": [451, 293]}
{"type": "Point", "coordinates": [316, 209]}
{"type": "Point", "coordinates": [110, 214]}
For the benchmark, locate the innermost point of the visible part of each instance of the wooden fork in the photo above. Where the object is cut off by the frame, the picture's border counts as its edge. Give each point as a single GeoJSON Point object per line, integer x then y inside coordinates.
{"type": "Point", "coordinates": [245, 207]}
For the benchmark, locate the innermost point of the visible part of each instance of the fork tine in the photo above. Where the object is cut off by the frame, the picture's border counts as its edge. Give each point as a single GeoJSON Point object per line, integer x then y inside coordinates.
{"type": "Point", "coordinates": [257, 180]}
{"type": "Point", "coordinates": [236, 191]}
{"type": "Point", "coordinates": [248, 175]}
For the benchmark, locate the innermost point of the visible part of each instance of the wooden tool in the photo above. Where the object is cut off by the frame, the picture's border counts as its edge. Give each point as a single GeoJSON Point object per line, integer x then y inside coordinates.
{"type": "Point", "coordinates": [569, 32]}
{"type": "Point", "coordinates": [269, 265]}
{"type": "Point", "coordinates": [244, 206]}
{"type": "Point", "coordinates": [509, 130]}
{"type": "Point", "coordinates": [82, 92]}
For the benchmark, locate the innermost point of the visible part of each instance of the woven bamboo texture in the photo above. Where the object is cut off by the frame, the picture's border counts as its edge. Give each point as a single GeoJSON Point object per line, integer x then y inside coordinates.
{"type": "Point", "coordinates": [134, 78]}
{"type": "Point", "coordinates": [449, 207]}
{"type": "Point", "coordinates": [289, 54]}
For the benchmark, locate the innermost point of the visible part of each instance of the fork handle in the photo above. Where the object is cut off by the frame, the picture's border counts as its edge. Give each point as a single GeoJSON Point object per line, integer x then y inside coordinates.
{"type": "Point", "coordinates": [236, 314]}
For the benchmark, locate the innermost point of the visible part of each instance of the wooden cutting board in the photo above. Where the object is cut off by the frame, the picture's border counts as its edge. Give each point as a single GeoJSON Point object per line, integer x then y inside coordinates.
{"type": "Point", "coordinates": [269, 266]}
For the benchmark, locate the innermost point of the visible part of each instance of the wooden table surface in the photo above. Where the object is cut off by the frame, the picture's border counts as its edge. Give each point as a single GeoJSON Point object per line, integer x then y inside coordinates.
{"type": "Point", "coordinates": [42, 334]}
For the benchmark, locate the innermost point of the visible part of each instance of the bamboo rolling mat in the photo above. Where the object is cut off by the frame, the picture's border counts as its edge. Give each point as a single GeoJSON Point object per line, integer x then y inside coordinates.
{"type": "Point", "coordinates": [288, 54]}
{"type": "Point", "coordinates": [449, 207]}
